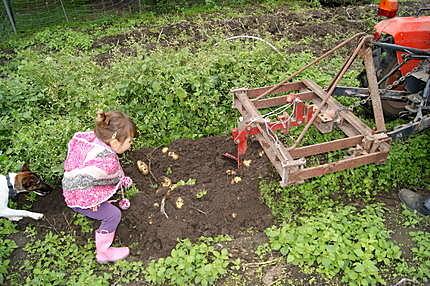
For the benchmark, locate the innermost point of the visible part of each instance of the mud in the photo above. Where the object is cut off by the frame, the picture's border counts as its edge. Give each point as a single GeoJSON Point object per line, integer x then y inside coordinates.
{"type": "Point", "coordinates": [212, 206]}
{"type": "Point", "coordinates": [271, 25]}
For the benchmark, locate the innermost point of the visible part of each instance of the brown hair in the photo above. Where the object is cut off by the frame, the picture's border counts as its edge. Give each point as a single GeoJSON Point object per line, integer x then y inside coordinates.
{"type": "Point", "coordinates": [114, 124]}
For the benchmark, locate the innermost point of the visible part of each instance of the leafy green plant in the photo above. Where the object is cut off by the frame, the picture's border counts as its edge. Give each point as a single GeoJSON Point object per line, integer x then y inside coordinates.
{"type": "Point", "coordinates": [189, 264]}
{"type": "Point", "coordinates": [339, 241]}
{"type": "Point", "coordinates": [83, 222]}
{"type": "Point", "coordinates": [7, 246]}
{"type": "Point", "coordinates": [131, 192]}
{"type": "Point", "coordinates": [58, 260]}
{"type": "Point", "coordinates": [201, 193]}
{"type": "Point", "coordinates": [411, 218]}
{"type": "Point", "coordinates": [181, 183]}
{"type": "Point", "coordinates": [421, 253]}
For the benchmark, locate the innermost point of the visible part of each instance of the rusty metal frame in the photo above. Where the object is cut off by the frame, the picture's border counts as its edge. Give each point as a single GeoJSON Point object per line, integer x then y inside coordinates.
{"type": "Point", "coordinates": [366, 145]}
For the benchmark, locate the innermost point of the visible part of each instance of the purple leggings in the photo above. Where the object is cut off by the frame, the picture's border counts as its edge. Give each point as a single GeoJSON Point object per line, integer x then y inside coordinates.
{"type": "Point", "coordinates": [107, 213]}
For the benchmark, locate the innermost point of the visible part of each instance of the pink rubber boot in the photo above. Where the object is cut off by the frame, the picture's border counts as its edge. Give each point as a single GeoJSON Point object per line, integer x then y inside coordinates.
{"type": "Point", "coordinates": [105, 253]}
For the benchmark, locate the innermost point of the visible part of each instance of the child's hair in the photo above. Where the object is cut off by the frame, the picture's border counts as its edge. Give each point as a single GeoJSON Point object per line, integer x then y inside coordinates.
{"type": "Point", "coordinates": [114, 125]}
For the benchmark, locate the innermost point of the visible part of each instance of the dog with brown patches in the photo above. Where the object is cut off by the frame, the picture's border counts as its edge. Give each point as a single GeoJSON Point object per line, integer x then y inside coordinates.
{"type": "Point", "coordinates": [14, 184]}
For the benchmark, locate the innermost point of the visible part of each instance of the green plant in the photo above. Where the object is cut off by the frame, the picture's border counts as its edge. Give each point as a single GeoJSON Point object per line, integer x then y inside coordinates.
{"type": "Point", "coordinates": [7, 246]}
{"type": "Point", "coordinates": [412, 218]}
{"type": "Point", "coordinates": [58, 260]}
{"type": "Point", "coordinates": [201, 193]}
{"type": "Point", "coordinates": [421, 253]}
{"type": "Point", "coordinates": [131, 192]}
{"type": "Point", "coordinates": [263, 250]}
{"type": "Point", "coordinates": [30, 231]}
{"type": "Point", "coordinates": [83, 222]}
{"type": "Point", "coordinates": [181, 183]}
{"type": "Point", "coordinates": [189, 264]}
{"type": "Point", "coordinates": [339, 241]}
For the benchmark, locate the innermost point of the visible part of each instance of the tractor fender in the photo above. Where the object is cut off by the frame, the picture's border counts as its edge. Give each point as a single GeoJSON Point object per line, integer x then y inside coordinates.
{"type": "Point", "coordinates": [412, 32]}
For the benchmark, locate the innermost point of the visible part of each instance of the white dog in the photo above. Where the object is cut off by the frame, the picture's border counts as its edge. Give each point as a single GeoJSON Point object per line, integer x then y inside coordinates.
{"type": "Point", "coordinates": [14, 184]}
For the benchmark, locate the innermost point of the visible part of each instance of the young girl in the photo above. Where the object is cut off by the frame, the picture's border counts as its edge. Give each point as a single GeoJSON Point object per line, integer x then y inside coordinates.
{"type": "Point", "coordinates": [92, 174]}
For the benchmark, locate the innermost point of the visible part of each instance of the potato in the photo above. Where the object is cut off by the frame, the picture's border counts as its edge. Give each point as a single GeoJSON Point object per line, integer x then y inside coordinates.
{"type": "Point", "coordinates": [166, 182]}
{"type": "Point", "coordinates": [143, 168]}
{"type": "Point", "coordinates": [236, 180]}
{"type": "Point", "coordinates": [247, 163]}
{"type": "Point", "coordinates": [179, 203]}
{"type": "Point", "coordinates": [164, 150]}
{"type": "Point", "coordinates": [173, 155]}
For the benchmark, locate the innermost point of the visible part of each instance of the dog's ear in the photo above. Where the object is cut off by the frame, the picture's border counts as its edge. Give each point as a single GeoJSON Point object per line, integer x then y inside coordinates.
{"type": "Point", "coordinates": [25, 168]}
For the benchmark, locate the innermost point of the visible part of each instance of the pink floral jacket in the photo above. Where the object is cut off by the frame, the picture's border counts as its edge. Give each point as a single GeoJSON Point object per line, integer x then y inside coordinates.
{"type": "Point", "coordinates": [92, 172]}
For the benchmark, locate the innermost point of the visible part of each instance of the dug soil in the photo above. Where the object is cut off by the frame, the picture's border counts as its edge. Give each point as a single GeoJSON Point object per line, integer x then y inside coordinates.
{"type": "Point", "coordinates": [213, 205]}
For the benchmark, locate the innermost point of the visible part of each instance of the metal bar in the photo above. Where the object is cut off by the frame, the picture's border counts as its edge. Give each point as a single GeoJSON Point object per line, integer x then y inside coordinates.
{"type": "Point", "coordinates": [285, 99]}
{"type": "Point", "coordinates": [253, 112]}
{"type": "Point", "coordinates": [399, 48]}
{"type": "Point", "coordinates": [361, 92]}
{"type": "Point", "coordinates": [326, 147]}
{"type": "Point", "coordinates": [256, 92]}
{"type": "Point", "coordinates": [331, 89]}
{"type": "Point", "coordinates": [312, 63]}
{"type": "Point", "coordinates": [373, 89]}
{"type": "Point", "coordinates": [340, 165]}
{"type": "Point", "coordinates": [344, 113]}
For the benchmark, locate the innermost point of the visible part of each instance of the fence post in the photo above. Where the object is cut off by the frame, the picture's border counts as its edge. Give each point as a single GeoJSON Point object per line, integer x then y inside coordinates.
{"type": "Point", "coordinates": [8, 7]}
{"type": "Point", "coordinates": [64, 11]}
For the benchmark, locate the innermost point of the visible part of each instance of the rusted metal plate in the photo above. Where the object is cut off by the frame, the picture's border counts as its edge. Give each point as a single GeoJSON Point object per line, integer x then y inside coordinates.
{"type": "Point", "coordinates": [285, 99]}
{"type": "Point", "coordinates": [255, 92]}
{"type": "Point", "coordinates": [342, 111]}
{"type": "Point", "coordinates": [340, 165]}
{"type": "Point", "coordinates": [374, 89]}
{"type": "Point", "coordinates": [326, 147]}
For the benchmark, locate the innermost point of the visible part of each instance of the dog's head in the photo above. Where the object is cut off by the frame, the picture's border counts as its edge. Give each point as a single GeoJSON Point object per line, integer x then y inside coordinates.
{"type": "Point", "coordinates": [27, 181]}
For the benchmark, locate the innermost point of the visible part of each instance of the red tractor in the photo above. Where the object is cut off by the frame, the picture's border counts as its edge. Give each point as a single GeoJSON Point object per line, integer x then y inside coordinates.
{"type": "Point", "coordinates": [401, 52]}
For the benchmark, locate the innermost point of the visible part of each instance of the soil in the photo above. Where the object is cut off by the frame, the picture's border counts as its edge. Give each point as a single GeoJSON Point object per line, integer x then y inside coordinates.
{"type": "Point", "coordinates": [278, 24]}
{"type": "Point", "coordinates": [225, 208]}
{"type": "Point", "coordinates": [319, 26]}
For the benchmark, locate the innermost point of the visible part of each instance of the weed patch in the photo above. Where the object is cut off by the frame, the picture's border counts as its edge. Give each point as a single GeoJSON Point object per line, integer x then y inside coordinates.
{"type": "Point", "coordinates": [338, 241]}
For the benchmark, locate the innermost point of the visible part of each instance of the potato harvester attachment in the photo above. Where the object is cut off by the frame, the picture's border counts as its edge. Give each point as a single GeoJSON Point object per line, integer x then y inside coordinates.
{"type": "Point", "coordinates": [311, 105]}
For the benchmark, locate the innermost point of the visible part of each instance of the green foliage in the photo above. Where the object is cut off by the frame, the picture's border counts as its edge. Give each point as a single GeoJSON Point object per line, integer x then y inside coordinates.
{"type": "Point", "coordinates": [63, 39]}
{"type": "Point", "coordinates": [181, 183]}
{"type": "Point", "coordinates": [201, 193]}
{"type": "Point", "coordinates": [189, 264]}
{"type": "Point", "coordinates": [339, 241]}
{"type": "Point", "coordinates": [83, 222]}
{"type": "Point", "coordinates": [131, 192]}
{"type": "Point", "coordinates": [412, 218]}
{"type": "Point", "coordinates": [421, 253]}
{"type": "Point", "coordinates": [363, 182]}
{"type": "Point", "coordinates": [59, 260]}
{"type": "Point", "coordinates": [7, 246]}
{"type": "Point", "coordinates": [125, 272]}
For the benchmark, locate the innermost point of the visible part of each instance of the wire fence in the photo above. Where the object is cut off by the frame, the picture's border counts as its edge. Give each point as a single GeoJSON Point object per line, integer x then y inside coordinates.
{"type": "Point", "coordinates": [28, 15]}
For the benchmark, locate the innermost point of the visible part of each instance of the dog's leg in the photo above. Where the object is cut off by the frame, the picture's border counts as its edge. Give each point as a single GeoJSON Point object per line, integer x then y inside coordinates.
{"type": "Point", "coordinates": [18, 214]}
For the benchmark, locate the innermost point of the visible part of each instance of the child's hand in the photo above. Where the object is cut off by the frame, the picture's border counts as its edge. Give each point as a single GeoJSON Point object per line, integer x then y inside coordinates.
{"type": "Point", "coordinates": [95, 208]}
{"type": "Point", "coordinates": [126, 181]}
